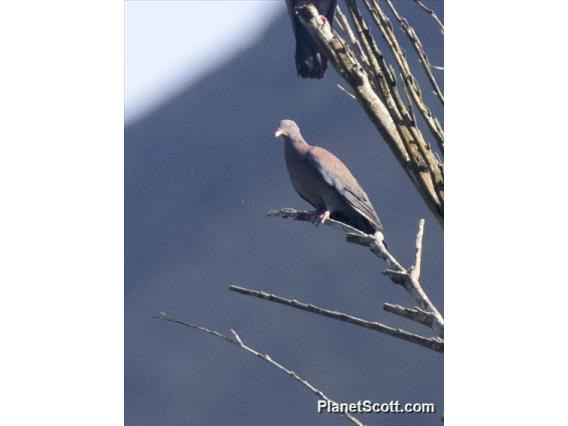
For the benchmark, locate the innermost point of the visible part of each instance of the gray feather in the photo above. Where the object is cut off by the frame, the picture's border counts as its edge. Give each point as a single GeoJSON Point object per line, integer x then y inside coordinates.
{"type": "Point", "coordinates": [346, 186]}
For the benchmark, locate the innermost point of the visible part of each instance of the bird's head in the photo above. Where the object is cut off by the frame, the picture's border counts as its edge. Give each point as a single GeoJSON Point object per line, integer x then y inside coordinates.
{"type": "Point", "coordinates": [288, 129]}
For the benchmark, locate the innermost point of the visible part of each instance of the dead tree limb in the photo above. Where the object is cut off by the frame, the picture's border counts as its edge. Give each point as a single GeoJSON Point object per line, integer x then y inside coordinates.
{"type": "Point", "coordinates": [237, 341]}
{"type": "Point", "coordinates": [432, 14]}
{"type": "Point", "coordinates": [387, 31]}
{"type": "Point", "coordinates": [409, 278]}
{"type": "Point", "coordinates": [414, 314]}
{"type": "Point", "coordinates": [344, 25]}
{"type": "Point", "coordinates": [384, 108]}
{"type": "Point", "coordinates": [419, 48]}
{"type": "Point", "coordinates": [433, 343]}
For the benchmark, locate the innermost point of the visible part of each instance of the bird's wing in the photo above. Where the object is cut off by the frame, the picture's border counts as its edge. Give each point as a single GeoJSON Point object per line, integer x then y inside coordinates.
{"type": "Point", "coordinates": [310, 61]}
{"type": "Point", "coordinates": [337, 175]}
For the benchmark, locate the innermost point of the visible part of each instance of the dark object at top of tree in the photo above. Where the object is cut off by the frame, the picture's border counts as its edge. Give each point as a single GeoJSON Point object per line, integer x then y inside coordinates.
{"type": "Point", "coordinates": [310, 60]}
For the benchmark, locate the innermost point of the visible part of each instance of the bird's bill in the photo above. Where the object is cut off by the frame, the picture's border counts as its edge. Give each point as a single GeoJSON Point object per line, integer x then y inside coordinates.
{"type": "Point", "coordinates": [278, 133]}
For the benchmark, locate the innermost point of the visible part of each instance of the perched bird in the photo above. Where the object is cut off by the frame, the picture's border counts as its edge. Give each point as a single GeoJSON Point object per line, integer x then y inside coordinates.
{"type": "Point", "coordinates": [322, 179]}
{"type": "Point", "coordinates": [310, 61]}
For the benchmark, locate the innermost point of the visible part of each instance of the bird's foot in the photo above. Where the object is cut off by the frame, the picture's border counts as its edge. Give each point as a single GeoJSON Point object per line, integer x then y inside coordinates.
{"type": "Point", "coordinates": [325, 20]}
{"type": "Point", "coordinates": [319, 217]}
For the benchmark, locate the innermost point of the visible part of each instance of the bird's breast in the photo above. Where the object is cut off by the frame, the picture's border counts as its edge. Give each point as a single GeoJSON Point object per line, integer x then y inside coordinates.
{"type": "Point", "coordinates": [306, 181]}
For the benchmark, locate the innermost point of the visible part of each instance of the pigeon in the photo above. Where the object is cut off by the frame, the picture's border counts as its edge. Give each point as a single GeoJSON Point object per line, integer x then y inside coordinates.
{"type": "Point", "coordinates": [322, 179]}
{"type": "Point", "coordinates": [310, 61]}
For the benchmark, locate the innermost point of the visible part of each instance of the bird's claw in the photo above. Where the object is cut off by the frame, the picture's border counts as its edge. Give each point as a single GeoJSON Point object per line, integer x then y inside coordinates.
{"type": "Point", "coordinates": [325, 20]}
{"type": "Point", "coordinates": [319, 218]}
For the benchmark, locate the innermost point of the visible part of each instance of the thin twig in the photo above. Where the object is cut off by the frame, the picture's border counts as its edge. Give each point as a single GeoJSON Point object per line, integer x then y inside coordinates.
{"type": "Point", "coordinates": [432, 14]}
{"type": "Point", "coordinates": [407, 126]}
{"type": "Point", "coordinates": [384, 25]}
{"type": "Point", "coordinates": [415, 271]}
{"type": "Point", "coordinates": [237, 341]}
{"type": "Point", "coordinates": [349, 68]}
{"type": "Point", "coordinates": [419, 48]}
{"type": "Point", "coordinates": [344, 25]}
{"type": "Point", "coordinates": [409, 278]}
{"type": "Point", "coordinates": [305, 216]}
{"type": "Point", "coordinates": [433, 343]}
{"type": "Point", "coordinates": [415, 314]}
{"type": "Point", "coordinates": [410, 109]}
{"type": "Point", "coordinates": [344, 90]}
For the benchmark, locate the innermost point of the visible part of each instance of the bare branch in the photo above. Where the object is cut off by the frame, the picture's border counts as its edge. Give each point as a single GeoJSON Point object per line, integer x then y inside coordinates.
{"type": "Point", "coordinates": [237, 341]}
{"type": "Point", "coordinates": [415, 270]}
{"type": "Point", "coordinates": [433, 343]}
{"type": "Point", "coordinates": [304, 216]}
{"type": "Point", "coordinates": [410, 109]}
{"type": "Point", "coordinates": [344, 25]}
{"type": "Point", "coordinates": [419, 48]}
{"type": "Point", "coordinates": [344, 90]}
{"type": "Point", "coordinates": [384, 25]}
{"type": "Point", "coordinates": [415, 314]}
{"type": "Point", "coordinates": [428, 169]}
{"type": "Point", "coordinates": [432, 14]}
{"type": "Point", "coordinates": [414, 155]}
{"type": "Point", "coordinates": [375, 243]}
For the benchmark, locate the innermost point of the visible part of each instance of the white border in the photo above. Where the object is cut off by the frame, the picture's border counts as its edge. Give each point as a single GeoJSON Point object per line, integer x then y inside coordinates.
{"type": "Point", "coordinates": [61, 174]}
{"type": "Point", "coordinates": [506, 213]}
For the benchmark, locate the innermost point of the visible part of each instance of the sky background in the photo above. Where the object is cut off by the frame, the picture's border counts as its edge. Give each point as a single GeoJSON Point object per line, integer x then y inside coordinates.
{"type": "Point", "coordinates": [201, 170]}
{"type": "Point", "coordinates": [165, 49]}
{"type": "Point", "coordinates": [55, 127]}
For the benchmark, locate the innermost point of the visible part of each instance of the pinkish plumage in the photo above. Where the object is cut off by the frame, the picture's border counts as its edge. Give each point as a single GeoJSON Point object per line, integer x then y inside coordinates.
{"type": "Point", "coordinates": [322, 179]}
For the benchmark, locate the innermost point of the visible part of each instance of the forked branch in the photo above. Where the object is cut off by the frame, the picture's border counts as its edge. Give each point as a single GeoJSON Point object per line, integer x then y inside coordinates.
{"type": "Point", "coordinates": [433, 343]}
{"type": "Point", "coordinates": [374, 88]}
{"type": "Point", "coordinates": [432, 14]}
{"type": "Point", "coordinates": [419, 48]}
{"type": "Point", "coordinates": [237, 341]}
{"type": "Point", "coordinates": [409, 278]}
{"type": "Point", "coordinates": [387, 31]}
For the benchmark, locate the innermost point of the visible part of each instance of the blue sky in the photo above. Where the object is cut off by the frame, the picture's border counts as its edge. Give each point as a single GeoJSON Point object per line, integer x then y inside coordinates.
{"type": "Point", "coordinates": [171, 43]}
